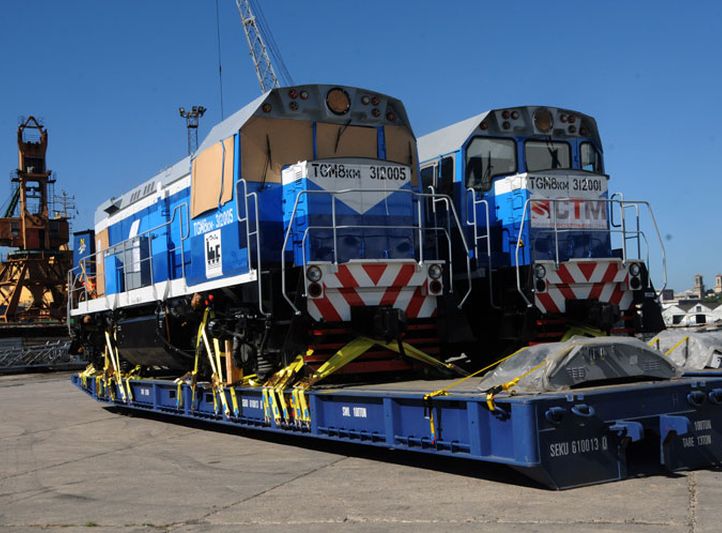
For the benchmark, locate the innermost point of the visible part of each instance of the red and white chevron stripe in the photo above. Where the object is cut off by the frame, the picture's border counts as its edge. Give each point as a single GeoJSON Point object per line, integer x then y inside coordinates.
{"type": "Point", "coordinates": [603, 280]}
{"type": "Point", "coordinates": [403, 285]}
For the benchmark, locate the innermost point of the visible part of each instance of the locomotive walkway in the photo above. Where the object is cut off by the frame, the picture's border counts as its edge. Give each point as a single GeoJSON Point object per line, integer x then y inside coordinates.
{"type": "Point", "coordinates": [67, 463]}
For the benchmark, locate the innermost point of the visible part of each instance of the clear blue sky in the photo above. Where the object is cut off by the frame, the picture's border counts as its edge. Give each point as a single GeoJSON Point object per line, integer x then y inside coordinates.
{"type": "Point", "coordinates": [108, 76]}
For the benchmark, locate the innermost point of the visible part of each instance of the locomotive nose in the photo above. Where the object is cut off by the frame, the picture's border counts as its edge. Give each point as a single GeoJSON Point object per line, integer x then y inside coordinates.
{"type": "Point", "coordinates": [381, 322]}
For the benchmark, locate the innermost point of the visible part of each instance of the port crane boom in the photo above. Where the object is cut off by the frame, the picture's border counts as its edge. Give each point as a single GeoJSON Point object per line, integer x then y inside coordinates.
{"type": "Point", "coordinates": [257, 33]}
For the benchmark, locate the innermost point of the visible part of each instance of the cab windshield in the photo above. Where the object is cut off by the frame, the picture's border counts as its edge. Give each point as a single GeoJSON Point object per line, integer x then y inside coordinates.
{"type": "Point", "coordinates": [486, 158]}
{"type": "Point", "coordinates": [547, 155]}
{"type": "Point", "coordinates": [591, 158]}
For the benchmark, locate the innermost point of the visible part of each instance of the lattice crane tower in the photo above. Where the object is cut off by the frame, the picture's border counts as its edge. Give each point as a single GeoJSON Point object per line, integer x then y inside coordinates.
{"type": "Point", "coordinates": [33, 277]}
{"type": "Point", "coordinates": [257, 33]}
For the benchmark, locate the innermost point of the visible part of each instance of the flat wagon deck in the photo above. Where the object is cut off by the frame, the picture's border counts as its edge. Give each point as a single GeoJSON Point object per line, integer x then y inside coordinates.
{"type": "Point", "coordinates": [561, 440]}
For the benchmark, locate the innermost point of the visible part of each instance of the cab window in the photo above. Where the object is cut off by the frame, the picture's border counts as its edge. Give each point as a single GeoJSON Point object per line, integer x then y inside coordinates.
{"type": "Point", "coordinates": [547, 155]}
{"type": "Point", "coordinates": [446, 176]}
{"type": "Point", "coordinates": [486, 158]}
{"type": "Point", "coordinates": [428, 175]}
{"type": "Point", "coordinates": [591, 159]}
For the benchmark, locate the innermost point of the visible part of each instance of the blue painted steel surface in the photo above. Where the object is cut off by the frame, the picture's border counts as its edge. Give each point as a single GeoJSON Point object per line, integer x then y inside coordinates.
{"type": "Point", "coordinates": [507, 209]}
{"type": "Point", "coordinates": [158, 251]}
{"type": "Point", "coordinates": [562, 440]}
{"type": "Point", "coordinates": [383, 236]}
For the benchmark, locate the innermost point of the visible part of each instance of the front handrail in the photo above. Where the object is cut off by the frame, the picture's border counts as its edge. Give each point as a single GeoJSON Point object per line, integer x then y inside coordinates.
{"type": "Point", "coordinates": [610, 202]}
{"type": "Point", "coordinates": [74, 274]}
{"type": "Point", "coordinates": [255, 233]}
{"type": "Point", "coordinates": [445, 199]}
{"type": "Point", "coordinates": [475, 225]}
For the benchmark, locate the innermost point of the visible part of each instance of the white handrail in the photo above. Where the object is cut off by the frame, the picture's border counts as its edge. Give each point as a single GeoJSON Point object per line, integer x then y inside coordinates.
{"type": "Point", "coordinates": [184, 229]}
{"type": "Point", "coordinates": [255, 233]}
{"type": "Point", "coordinates": [610, 202]}
{"type": "Point", "coordinates": [474, 223]}
{"type": "Point", "coordinates": [334, 227]}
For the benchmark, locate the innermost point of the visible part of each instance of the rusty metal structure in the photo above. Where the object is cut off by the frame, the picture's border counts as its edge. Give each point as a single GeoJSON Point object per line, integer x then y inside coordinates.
{"type": "Point", "coordinates": [33, 276]}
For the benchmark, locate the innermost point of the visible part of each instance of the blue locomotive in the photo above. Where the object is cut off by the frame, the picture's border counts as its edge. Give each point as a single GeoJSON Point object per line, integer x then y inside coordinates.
{"type": "Point", "coordinates": [298, 221]}
{"type": "Point", "coordinates": [552, 248]}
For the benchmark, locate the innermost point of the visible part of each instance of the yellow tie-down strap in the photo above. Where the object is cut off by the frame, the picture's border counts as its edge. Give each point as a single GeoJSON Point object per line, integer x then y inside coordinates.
{"type": "Point", "coordinates": [361, 345]}
{"type": "Point", "coordinates": [655, 343]}
{"type": "Point", "coordinates": [491, 393]}
{"type": "Point", "coordinates": [274, 401]}
{"type": "Point", "coordinates": [85, 374]}
{"type": "Point", "coordinates": [582, 331]}
{"type": "Point", "coordinates": [428, 404]}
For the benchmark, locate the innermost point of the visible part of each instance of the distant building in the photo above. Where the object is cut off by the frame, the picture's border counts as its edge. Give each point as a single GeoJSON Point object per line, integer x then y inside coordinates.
{"type": "Point", "coordinates": [699, 286]}
{"type": "Point", "coordinates": [687, 308]}
{"type": "Point", "coordinates": [667, 295]}
{"type": "Point", "coordinates": [692, 313]}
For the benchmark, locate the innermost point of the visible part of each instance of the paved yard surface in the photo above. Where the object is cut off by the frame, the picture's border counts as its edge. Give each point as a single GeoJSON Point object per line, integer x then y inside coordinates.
{"type": "Point", "coordinates": [67, 463]}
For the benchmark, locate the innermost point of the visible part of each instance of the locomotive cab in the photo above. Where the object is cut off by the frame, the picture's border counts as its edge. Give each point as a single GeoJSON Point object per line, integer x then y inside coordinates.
{"type": "Point", "coordinates": [553, 249]}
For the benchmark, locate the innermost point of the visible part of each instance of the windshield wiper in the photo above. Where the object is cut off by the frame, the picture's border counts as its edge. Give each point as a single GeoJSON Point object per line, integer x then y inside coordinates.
{"type": "Point", "coordinates": [486, 176]}
{"type": "Point", "coordinates": [338, 136]}
{"type": "Point", "coordinates": [554, 153]}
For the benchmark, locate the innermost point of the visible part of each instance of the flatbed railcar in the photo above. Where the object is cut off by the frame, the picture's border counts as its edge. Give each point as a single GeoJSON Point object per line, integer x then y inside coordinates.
{"type": "Point", "coordinates": [561, 440]}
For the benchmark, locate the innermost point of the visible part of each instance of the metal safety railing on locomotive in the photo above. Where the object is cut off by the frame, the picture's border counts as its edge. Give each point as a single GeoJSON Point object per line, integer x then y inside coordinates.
{"type": "Point", "coordinates": [135, 267]}
{"type": "Point", "coordinates": [616, 227]}
{"type": "Point", "coordinates": [419, 229]}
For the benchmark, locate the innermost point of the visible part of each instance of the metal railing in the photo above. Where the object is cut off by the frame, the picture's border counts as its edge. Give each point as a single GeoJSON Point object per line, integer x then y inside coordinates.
{"type": "Point", "coordinates": [79, 278]}
{"type": "Point", "coordinates": [612, 228]}
{"type": "Point", "coordinates": [474, 223]}
{"type": "Point", "coordinates": [256, 233]}
{"type": "Point", "coordinates": [52, 353]}
{"type": "Point", "coordinates": [418, 228]}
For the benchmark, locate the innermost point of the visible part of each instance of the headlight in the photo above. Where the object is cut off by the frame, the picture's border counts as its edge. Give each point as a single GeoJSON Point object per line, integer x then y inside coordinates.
{"type": "Point", "coordinates": [338, 101]}
{"type": "Point", "coordinates": [543, 120]}
{"type": "Point", "coordinates": [314, 274]}
{"type": "Point", "coordinates": [540, 271]}
{"type": "Point", "coordinates": [634, 269]}
{"type": "Point", "coordinates": [435, 271]}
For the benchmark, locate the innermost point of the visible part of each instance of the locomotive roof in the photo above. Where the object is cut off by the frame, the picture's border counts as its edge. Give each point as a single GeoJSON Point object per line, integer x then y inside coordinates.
{"type": "Point", "coordinates": [278, 97]}
{"type": "Point", "coordinates": [165, 177]}
{"type": "Point", "coordinates": [448, 139]}
{"type": "Point", "coordinates": [453, 137]}
{"type": "Point", "coordinates": [231, 125]}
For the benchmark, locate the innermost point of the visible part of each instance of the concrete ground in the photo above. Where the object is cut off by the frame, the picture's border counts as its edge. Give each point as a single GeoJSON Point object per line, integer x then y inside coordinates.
{"type": "Point", "coordinates": [67, 462]}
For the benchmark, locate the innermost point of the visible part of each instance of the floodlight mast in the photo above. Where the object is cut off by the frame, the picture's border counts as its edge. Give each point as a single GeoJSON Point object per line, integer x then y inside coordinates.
{"type": "Point", "coordinates": [192, 117]}
{"type": "Point", "coordinates": [267, 77]}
